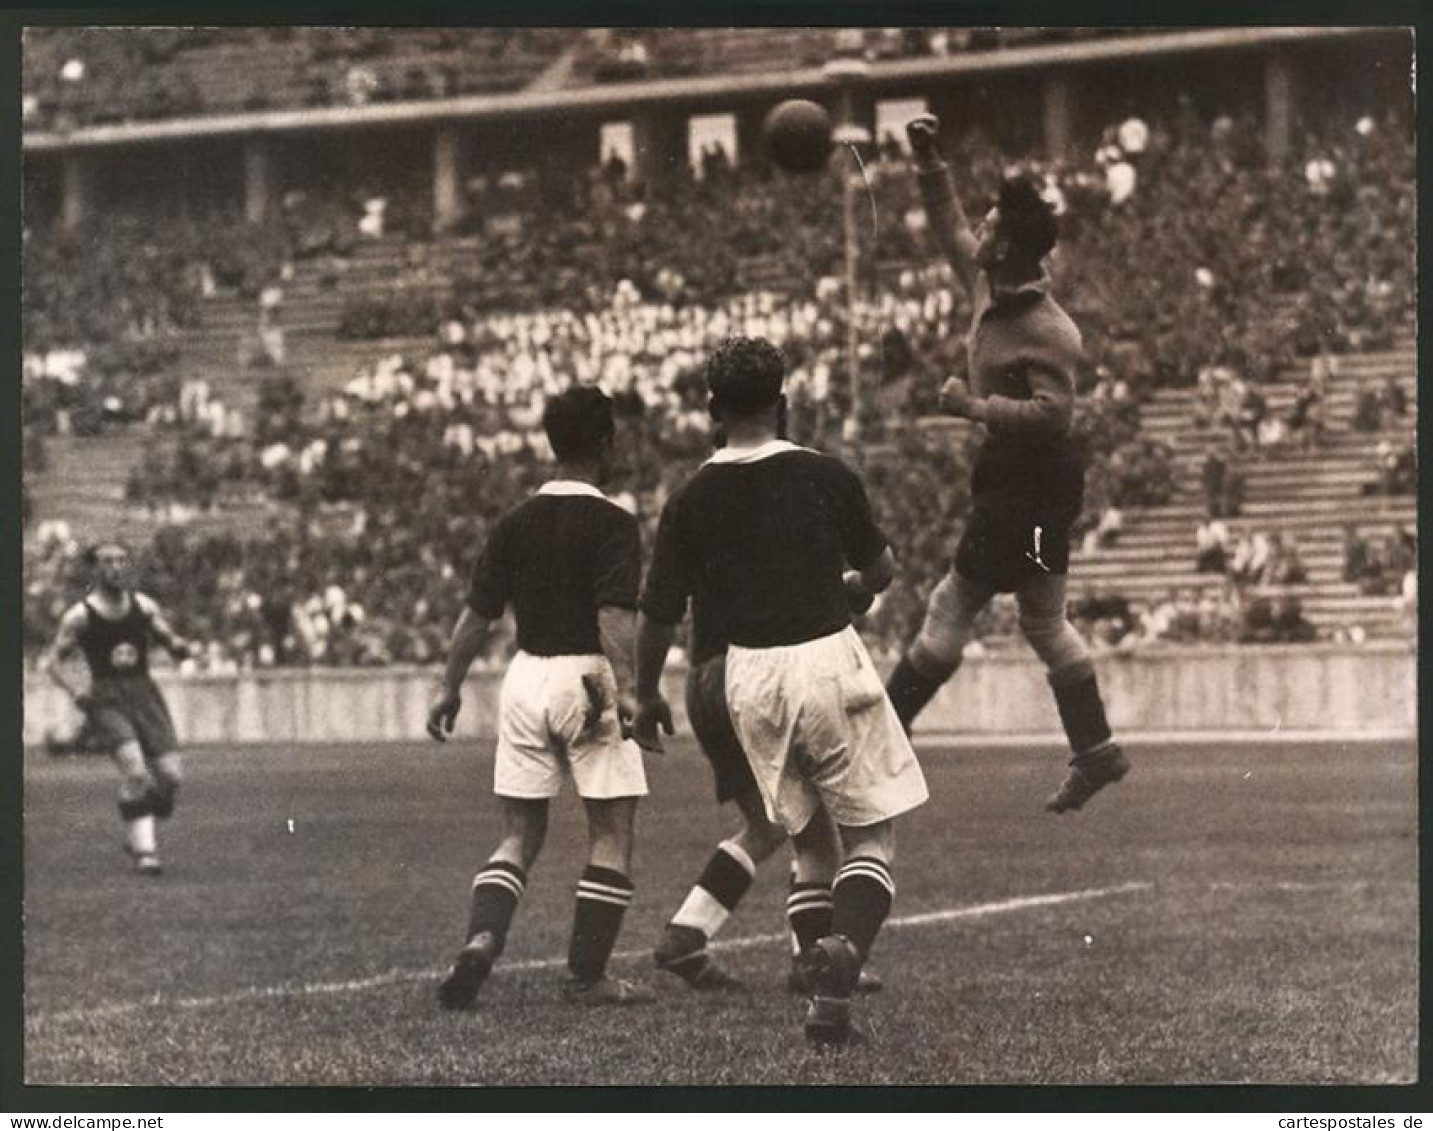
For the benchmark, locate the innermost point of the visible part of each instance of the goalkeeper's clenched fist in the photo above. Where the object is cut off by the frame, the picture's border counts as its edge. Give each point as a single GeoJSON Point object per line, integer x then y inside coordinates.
{"type": "Point", "coordinates": [922, 132]}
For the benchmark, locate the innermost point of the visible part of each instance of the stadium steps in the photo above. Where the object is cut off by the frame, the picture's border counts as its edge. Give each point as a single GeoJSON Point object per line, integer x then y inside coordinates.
{"type": "Point", "coordinates": [83, 485]}
{"type": "Point", "coordinates": [1308, 495]}
{"type": "Point", "coordinates": [84, 479]}
{"type": "Point", "coordinates": [1319, 533]}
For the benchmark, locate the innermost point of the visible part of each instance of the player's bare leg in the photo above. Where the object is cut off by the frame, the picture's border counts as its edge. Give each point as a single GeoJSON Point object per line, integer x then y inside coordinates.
{"type": "Point", "coordinates": [603, 895]}
{"type": "Point", "coordinates": [863, 892]}
{"type": "Point", "coordinates": [136, 808]}
{"type": "Point", "coordinates": [497, 890]}
{"type": "Point", "coordinates": [726, 877]}
{"type": "Point", "coordinates": [1096, 759]}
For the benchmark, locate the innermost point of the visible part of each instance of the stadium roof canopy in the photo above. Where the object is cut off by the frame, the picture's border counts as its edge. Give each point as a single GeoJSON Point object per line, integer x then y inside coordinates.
{"type": "Point", "coordinates": [709, 89]}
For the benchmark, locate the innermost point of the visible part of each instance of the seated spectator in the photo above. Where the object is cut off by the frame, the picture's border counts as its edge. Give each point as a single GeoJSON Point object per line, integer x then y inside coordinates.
{"type": "Point", "coordinates": [1223, 483]}
{"type": "Point", "coordinates": [1234, 484]}
{"type": "Point", "coordinates": [1393, 557]}
{"type": "Point", "coordinates": [1288, 623]}
{"type": "Point", "coordinates": [1253, 415]}
{"type": "Point", "coordinates": [1105, 619]}
{"type": "Point", "coordinates": [1157, 622]}
{"type": "Point", "coordinates": [1184, 625]}
{"type": "Point", "coordinates": [1271, 434]}
{"type": "Point", "coordinates": [1397, 470]}
{"type": "Point", "coordinates": [1408, 602]}
{"type": "Point", "coordinates": [1284, 566]}
{"type": "Point", "coordinates": [1221, 614]}
{"type": "Point", "coordinates": [1211, 546]}
{"type": "Point", "coordinates": [1306, 415]}
{"type": "Point", "coordinates": [1357, 557]}
{"type": "Point", "coordinates": [1349, 634]}
{"type": "Point", "coordinates": [1106, 531]}
{"type": "Point", "coordinates": [1324, 367]}
{"type": "Point", "coordinates": [1212, 474]}
{"type": "Point", "coordinates": [1399, 553]}
{"type": "Point", "coordinates": [1376, 580]}
{"type": "Point", "coordinates": [1258, 624]}
{"type": "Point", "coordinates": [1393, 400]}
{"type": "Point", "coordinates": [1209, 394]}
{"type": "Point", "coordinates": [1367, 408]}
{"type": "Point", "coordinates": [1233, 402]}
{"type": "Point", "coordinates": [1251, 555]}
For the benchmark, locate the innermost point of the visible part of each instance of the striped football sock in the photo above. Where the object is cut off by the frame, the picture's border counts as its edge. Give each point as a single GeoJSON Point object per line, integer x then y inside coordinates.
{"type": "Point", "coordinates": [497, 890]}
{"type": "Point", "coordinates": [864, 890]}
{"type": "Point", "coordinates": [808, 911]}
{"type": "Point", "coordinates": [602, 898]}
{"type": "Point", "coordinates": [726, 878]}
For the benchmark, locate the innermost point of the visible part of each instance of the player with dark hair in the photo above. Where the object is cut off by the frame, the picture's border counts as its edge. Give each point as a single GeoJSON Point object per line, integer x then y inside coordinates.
{"type": "Point", "coordinates": [762, 536]}
{"type": "Point", "coordinates": [1028, 481]}
{"type": "Point", "coordinates": [112, 628]}
{"type": "Point", "coordinates": [568, 561]}
{"type": "Point", "coordinates": [728, 873]}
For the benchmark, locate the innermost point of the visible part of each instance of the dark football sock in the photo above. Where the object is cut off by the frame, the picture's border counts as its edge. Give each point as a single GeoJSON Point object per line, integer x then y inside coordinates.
{"type": "Point", "coordinates": [725, 879]}
{"type": "Point", "coordinates": [132, 808]}
{"type": "Point", "coordinates": [1082, 712]}
{"type": "Point", "coordinates": [161, 800]}
{"type": "Point", "coordinates": [808, 910]}
{"type": "Point", "coordinates": [910, 690]}
{"type": "Point", "coordinates": [864, 890]}
{"type": "Point", "coordinates": [497, 890]}
{"type": "Point", "coordinates": [602, 898]}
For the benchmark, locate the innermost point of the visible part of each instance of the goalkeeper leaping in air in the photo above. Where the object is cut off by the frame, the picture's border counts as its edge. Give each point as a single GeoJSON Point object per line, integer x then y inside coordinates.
{"type": "Point", "coordinates": [1028, 481]}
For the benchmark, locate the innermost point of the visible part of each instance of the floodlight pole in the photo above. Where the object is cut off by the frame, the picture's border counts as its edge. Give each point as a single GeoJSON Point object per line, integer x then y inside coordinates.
{"type": "Point", "coordinates": [848, 74]}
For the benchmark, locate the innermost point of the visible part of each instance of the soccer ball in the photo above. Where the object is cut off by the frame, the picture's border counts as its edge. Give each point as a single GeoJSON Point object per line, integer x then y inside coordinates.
{"type": "Point", "coordinates": [798, 135]}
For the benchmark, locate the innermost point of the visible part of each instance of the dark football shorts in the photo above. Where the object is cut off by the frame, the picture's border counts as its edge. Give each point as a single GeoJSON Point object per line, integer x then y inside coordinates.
{"type": "Point", "coordinates": [711, 723]}
{"type": "Point", "coordinates": [1022, 511]}
{"type": "Point", "coordinates": [131, 709]}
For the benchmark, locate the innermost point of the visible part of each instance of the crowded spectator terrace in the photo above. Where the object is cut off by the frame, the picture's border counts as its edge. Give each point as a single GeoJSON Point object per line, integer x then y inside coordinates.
{"type": "Point", "coordinates": [1176, 236]}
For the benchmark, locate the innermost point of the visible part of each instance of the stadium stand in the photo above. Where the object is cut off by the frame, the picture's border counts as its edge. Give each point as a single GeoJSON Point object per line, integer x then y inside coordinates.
{"type": "Point", "coordinates": [312, 403]}
{"type": "Point", "coordinates": [76, 76]}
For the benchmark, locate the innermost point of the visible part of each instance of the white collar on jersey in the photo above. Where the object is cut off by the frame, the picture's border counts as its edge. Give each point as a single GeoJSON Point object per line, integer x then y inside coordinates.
{"type": "Point", "coordinates": [571, 487]}
{"type": "Point", "coordinates": [751, 455]}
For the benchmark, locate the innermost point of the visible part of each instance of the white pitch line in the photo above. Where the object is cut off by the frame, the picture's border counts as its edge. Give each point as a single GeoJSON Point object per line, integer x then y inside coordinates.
{"type": "Point", "coordinates": [1312, 885]}
{"type": "Point", "coordinates": [397, 977]}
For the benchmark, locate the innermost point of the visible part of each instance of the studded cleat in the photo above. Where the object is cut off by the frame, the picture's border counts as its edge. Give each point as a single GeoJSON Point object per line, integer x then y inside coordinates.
{"type": "Point", "coordinates": [470, 970]}
{"type": "Point", "coordinates": [1089, 773]}
{"type": "Point", "coordinates": [683, 953]}
{"type": "Point", "coordinates": [834, 967]}
{"type": "Point", "coordinates": [798, 981]}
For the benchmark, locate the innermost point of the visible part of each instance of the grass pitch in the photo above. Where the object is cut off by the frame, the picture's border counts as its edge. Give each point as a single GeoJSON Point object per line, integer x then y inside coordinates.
{"type": "Point", "coordinates": [1228, 914]}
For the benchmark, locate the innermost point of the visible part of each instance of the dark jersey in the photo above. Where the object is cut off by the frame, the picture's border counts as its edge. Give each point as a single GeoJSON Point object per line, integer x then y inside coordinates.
{"type": "Point", "coordinates": [709, 635]}
{"type": "Point", "coordinates": [758, 541]}
{"type": "Point", "coordinates": [116, 647]}
{"type": "Point", "coordinates": [556, 559]}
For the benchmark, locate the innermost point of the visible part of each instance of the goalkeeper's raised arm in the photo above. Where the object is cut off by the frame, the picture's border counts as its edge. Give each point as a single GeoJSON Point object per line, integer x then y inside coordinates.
{"type": "Point", "coordinates": [944, 215]}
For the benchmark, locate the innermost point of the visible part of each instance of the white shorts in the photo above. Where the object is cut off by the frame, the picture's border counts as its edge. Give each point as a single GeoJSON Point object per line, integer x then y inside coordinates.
{"type": "Point", "coordinates": [559, 713]}
{"type": "Point", "coordinates": [818, 730]}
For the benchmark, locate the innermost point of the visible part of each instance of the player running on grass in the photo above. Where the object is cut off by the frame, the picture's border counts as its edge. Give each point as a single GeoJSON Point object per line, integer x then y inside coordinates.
{"type": "Point", "coordinates": [1028, 481]}
{"type": "Point", "coordinates": [764, 532]}
{"type": "Point", "coordinates": [112, 628]}
{"type": "Point", "coordinates": [728, 873]}
{"type": "Point", "coordinates": [568, 561]}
